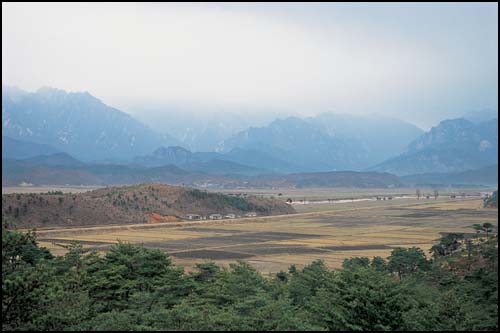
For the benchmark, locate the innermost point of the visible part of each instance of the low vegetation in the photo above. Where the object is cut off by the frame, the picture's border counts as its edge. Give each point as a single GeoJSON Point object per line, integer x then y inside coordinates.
{"type": "Point", "coordinates": [134, 288]}
{"type": "Point", "coordinates": [492, 201]}
{"type": "Point", "coordinates": [222, 201]}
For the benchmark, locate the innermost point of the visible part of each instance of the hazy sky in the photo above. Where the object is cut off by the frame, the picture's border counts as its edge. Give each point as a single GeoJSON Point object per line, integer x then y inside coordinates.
{"type": "Point", "coordinates": [420, 62]}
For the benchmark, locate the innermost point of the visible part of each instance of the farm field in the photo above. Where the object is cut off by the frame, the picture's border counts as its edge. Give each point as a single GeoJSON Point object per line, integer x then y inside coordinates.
{"type": "Point", "coordinates": [44, 189]}
{"type": "Point", "coordinates": [274, 243]}
{"type": "Point", "coordinates": [325, 193]}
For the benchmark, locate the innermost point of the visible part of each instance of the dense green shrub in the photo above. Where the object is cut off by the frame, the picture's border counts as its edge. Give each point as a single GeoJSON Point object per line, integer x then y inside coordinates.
{"type": "Point", "coordinates": [134, 288]}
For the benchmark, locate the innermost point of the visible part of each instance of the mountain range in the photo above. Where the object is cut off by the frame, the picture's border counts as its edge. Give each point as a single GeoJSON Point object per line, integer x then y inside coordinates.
{"type": "Point", "coordinates": [76, 123]}
{"type": "Point", "coordinates": [328, 141]}
{"type": "Point", "coordinates": [62, 169]}
{"type": "Point", "coordinates": [209, 162]}
{"type": "Point", "coordinates": [51, 131]}
{"type": "Point", "coordinates": [452, 146]}
{"type": "Point", "coordinates": [203, 131]}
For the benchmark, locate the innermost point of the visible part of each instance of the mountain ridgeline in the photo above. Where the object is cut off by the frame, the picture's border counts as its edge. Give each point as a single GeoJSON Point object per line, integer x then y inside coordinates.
{"type": "Point", "coordinates": [54, 137]}
{"type": "Point", "coordinates": [75, 123]}
{"type": "Point", "coordinates": [62, 169]}
{"type": "Point", "coordinates": [453, 146]}
{"type": "Point", "coordinates": [327, 142]}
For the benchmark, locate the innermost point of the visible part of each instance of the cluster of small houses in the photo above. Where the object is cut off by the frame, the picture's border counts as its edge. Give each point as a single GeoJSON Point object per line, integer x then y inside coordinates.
{"type": "Point", "coordinates": [218, 216]}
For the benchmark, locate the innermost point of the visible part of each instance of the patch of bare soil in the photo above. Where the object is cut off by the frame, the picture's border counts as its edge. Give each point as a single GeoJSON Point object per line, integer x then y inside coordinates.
{"type": "Point", "coordinates": [267, 249]}
{"type": "Point", "coordinates": [211, 254]}
{"type": "Point", "coordinates": [356, 247]}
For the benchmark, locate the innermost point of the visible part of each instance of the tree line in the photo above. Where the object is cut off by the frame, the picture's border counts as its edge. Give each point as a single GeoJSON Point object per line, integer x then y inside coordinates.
{"type": "Point", "coordinates": [134, 288]}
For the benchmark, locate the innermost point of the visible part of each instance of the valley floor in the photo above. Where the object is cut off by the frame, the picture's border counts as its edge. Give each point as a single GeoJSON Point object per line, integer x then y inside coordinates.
{"type": "Point", "coordinates": [332, 232]}
{"type": "Point", "coordinates": [44, 189]}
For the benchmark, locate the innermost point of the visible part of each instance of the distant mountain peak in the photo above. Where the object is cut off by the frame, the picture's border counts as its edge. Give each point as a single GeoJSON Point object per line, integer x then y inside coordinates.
{"type": "Point", "coordinates": [78, 123]}
{"type": "Point", "coordinates": [326, 142]}
{"type": "Point", "coordinates": [454, 145]}
{"type": "Point", "coordinates": [170, 149]}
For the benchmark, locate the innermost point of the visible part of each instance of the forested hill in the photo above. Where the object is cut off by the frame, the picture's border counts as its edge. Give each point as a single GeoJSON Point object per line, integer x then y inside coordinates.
{"type": "Point", "coordinates": [128, 205]}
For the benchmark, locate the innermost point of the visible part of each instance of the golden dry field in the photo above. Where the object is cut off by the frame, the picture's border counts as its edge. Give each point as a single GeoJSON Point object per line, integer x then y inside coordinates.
{"type": "Point", "coordinates": [324, 193]}
{"type": "Point", "coordinates": [331, 232]}
{"type": "Point", "coordinates": [44, 189]}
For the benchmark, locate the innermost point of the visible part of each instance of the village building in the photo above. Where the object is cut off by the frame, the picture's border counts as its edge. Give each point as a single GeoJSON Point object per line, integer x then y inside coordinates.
{"type": "Point", "coordinates": [194, 217]}
{"type": "Point", "coordinates": [215, 217]}
{"type": "Point", "coordinates": [251, 214]}
{"type": "Point", "coordinates": [231, 216]}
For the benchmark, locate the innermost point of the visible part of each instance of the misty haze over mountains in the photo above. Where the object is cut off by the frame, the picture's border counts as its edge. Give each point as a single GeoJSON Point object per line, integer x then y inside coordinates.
{"type": "Point", "coordinates": [51, 121]}
{"type": "Point", "coordinates": [76, 123]}
{"type": "Point", "coordinates": [452, 146]}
